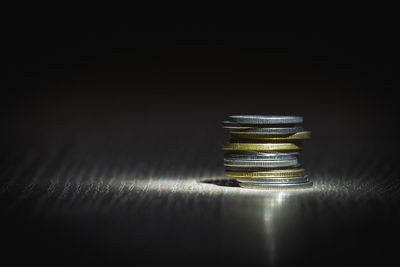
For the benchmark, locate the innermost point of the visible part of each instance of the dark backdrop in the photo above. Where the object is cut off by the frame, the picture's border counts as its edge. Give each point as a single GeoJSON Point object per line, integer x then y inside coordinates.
{"type": "Point", "coordinates": [86, 102]}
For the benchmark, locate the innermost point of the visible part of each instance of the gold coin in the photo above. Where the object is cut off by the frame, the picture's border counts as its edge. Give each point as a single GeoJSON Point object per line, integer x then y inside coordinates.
{"type": "Point", "coordinates": [261, 147]}
{"type": "Point", "coordinates": [272, 137]}
{"type": "Point", "coordinates": [268, 174]}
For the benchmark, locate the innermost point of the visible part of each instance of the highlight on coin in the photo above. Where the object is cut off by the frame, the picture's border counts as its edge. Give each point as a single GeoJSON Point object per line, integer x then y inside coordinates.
{"type": "Point", "coordinates": [263, 151]}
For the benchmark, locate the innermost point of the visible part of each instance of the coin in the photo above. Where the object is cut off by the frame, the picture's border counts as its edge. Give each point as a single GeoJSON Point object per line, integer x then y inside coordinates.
{"type": "Point", "coordinates": [236, 125]}
{"type": "Point", "coordinates": [263, 151]}
{"type": "Point", "coordinates": [233, 125]}
{"type": "Point", "coordinates": [280, 130]}
{"type": "Point", "coordinates": [261, 147]}
{"type": "Point", "coordinates": [261, 156]}
{"type": "Point", "coordinates": [281, 180]}
{"type": "Point", "coordinates": [260, 141]}
{"type": "Point", "coordinates": [268, 174]}
{"type": "Point", "coordinates": [266, 119]}
{"type": "Point", "coordinates": [269, 137]}
{"type": "Point", "coordinates": [260, 163]}
{"type": "Point", "coordinates": [307, 184]}
{"type": "Point", "coordinates": [260, 169]}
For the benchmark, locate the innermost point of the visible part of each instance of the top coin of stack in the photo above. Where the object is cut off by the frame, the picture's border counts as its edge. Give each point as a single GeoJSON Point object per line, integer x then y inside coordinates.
{"type": "Point", "coordinates": [263, 151]}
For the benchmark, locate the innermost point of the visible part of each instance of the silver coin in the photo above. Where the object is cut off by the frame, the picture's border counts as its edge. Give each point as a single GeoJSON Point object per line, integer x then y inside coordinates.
{"type": "Point", "coordinates": [261, 153]}
{"type": "Point", "coordinates": [283, 130]}
{"type": "Point", "coordinates": [236, 125]}
{"type": "Point", "coordinates": [261, 156]}
{"type": "Point", "coordinates": [275, 180]}
{"type": "Point", "coordinates": [260, 163]}
{"type": "Point", "coordinates": [266, 119]}
{"type": "Point", "coordinates": [260, 169]}
{"type": "Point", "coordinates": [255, 141]}
{"type": "Point", "coordinates": [233, 125]}
{"type": "Point", "coordinates": [276, 186]}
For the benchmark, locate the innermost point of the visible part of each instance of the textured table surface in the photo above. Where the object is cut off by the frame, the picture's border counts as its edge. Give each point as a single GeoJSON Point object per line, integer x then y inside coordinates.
{"type": "Point", "coordinates": [149, 187]}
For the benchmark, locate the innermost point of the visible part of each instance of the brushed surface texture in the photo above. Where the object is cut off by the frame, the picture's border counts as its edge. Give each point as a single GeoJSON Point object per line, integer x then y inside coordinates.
{"type": "Point", "coordinates": [133, 189]}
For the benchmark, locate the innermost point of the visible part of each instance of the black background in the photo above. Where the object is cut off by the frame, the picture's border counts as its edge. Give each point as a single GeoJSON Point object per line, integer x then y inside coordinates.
{"type": "Point", "coordinates": [103, 86]}
{"type": "Point", "coordinates": [321, 64]}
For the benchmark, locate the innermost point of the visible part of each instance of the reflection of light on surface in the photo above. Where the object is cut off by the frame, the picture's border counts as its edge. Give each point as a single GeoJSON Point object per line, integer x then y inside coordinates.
{"type": "Point", "coordinates": [280, 197]}
{"type": "Point", "coordinates": [274, 206]}
{"type": "Point", "coordinates": [272, 201]}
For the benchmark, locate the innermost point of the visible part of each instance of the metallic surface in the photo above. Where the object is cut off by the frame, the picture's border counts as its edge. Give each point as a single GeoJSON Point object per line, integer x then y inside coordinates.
{"type": "Point", "coordinates": [261, 147]}
{"type": "Point", "coordinates": [261, 156]}
{"type": "Point", "coordinates": [272, 130]}
{"type": "Point", "coordinates": [79, 190]}
{"type": "Point", "coordinates": [260, 141]}
{"type": "Point", "coordinates": [267, 136]}
{"type": "Point", "coordinates": [299, 179]}
{"type": "Point", "coordinates": [271, 173]}
{"type": "Point", "coordinates": [263, 153]}
{"type": "Point", "coordinates": [233, 125]}
{"type": "Point", "coordinates": [260, 163]}
{"type": "Point", "coordinates": [266, 119]}
{"type": "Point", "coordinates": [260, 169]}
{"type": "Point", "coordinates": [252, 185]}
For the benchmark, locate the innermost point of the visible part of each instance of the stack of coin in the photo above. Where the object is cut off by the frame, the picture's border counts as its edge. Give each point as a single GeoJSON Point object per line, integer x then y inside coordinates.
{"type": "Point", "coordinates": [263, 151]}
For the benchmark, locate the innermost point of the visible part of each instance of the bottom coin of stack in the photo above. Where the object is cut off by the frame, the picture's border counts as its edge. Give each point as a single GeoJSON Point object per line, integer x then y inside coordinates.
{"type": "Point", "coordinates": [264, 151]}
